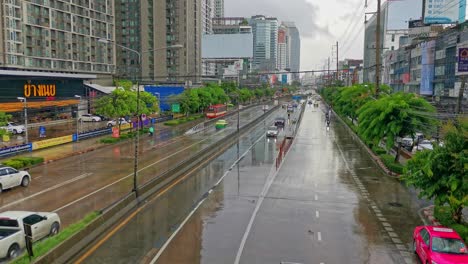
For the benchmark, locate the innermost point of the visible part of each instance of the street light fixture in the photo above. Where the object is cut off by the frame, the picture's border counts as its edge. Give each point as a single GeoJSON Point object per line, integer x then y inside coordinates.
{"type": "Point", "coordinates": [24, 100]}
{"type": "Point", "coordinates": [77, 118]}
{"type": "Point", "coordinates": [137, 137]}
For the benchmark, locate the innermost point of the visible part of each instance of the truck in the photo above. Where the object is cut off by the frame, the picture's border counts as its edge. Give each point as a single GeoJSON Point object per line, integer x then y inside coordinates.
{"type": "Point", "coordinates": [12, 234]}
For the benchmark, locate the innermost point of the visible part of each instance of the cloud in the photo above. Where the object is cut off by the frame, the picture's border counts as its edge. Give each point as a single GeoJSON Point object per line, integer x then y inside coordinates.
{"type": "Point", "coordinates": [303, 13]}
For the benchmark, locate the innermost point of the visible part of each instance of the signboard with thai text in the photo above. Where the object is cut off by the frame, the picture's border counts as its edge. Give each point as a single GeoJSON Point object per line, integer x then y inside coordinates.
{"type": "Point", "coordinates": [444, 11]}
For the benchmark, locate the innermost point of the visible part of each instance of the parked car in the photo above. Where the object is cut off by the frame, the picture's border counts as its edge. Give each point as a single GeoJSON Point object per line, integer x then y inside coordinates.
{"type": "Point", "coordinates": [14, 128]}
{"type": "Point", "coordinates": [437, 244]}
{"type": "Point", "coordinates": [12, 230]}
{"type": "Point", "coordinates": [280, 122]}
{"type": "Point", "coordinates": [112, 123]}
{"type": "Point", "coordinates": [272, 131]}
{"type": "Point", "coordinates": [220, 124]}
{"type": "Point", "coordinates": [89, 118]}
{"type": "Point", "coordinates": [10, 177]}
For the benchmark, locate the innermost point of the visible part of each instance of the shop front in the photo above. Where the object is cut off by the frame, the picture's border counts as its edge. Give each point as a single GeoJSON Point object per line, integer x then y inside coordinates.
{"type": "Point", "coordinates": [47, 97]}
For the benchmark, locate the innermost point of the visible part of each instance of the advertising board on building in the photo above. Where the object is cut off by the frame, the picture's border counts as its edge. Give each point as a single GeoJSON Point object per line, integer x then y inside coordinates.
{"type": "Point", "coordinates": [462, 61]}
{"type": "Point", "coordinates": [444, 11]}
{"type": "Point", "coordinates": [427, 67]}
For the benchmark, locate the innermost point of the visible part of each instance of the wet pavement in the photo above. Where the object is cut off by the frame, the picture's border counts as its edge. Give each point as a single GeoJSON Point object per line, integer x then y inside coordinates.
{"type": "Point", "coordinates": [78, 185]}
{"type": "Point", "coordinates": [147, 232]}
{"type": "Point", "coordinates": [328, 203]}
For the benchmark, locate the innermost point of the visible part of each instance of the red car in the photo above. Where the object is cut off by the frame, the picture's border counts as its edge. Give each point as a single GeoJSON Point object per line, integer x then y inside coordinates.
{"type": "Point", "coordinates": [439, 245]}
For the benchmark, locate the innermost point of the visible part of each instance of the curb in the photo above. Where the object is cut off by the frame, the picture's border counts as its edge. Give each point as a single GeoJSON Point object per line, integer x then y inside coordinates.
{"type": "Point", "coordinates": [427, 213]}
{"type": "Point", "coordinates": [374, 157]}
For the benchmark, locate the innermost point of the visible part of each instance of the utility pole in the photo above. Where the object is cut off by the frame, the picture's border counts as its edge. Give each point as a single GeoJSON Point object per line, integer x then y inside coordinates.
{"type": "Point", "coordinates": [377, 51]}
{"type": "Point", "coordinates": [337, 75]}
{"type": "Point", "coordinates": [329, 80]}
{"type": "Point", "coordinates": [458, 109]}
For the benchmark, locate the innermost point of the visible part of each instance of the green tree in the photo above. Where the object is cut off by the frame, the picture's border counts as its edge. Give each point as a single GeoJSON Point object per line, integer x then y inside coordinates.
{"type": "Point", "coordinates": [125, 84]}
{"type": "Point", "coordinates": [394, 116]}
{"type": "Point", "coordinates": [441, 174]}
{"type": "Point", "coordinates": [245, 95]}
{"type": "Point", "coordinates": [229, 87]}
{"type": "Point", "coordinates": [4, 118]}
{"type": "Point", "coordinates": [122, 102]}
{"type": "Point", "coordinates": [351, 99]}
{"type": "Point", "coordinates": [206, 98]}
{"type": "Point", "coordinates": [259, 93]}
{"type": "Point", "coordinates": [190, 102]}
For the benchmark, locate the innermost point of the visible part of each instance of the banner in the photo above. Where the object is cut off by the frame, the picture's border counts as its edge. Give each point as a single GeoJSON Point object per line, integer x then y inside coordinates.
{"type": "Point", "coordinates": [427, 67]}
{"type": "Point", "coordinates": [462, 60]}
{"type": "Point", "coordinates": [14, 150]}
{"type": "Point", "coordinates": [115, 132]}
{"type": "Point", "coordinates": [51, 142]}
{"type": "Point", "coordinates": [444, 11]}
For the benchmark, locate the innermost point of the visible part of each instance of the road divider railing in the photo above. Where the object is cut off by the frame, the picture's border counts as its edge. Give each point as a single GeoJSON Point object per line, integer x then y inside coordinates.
{"type": "Point", "coordinates": [109, 216]}
{"type": "Point", "coordinates": [288, 139]}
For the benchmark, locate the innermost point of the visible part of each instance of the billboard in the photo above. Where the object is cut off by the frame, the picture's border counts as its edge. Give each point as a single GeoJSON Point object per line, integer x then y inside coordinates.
{"type": "Point", "coordinates": [462, 61]}
{"type": "Point", "coordinates": [227, 46]}
{"type": "Point", "coordinates": [284, 78]}
{"type": "Point", "coordinates": [444, 11]}
{"type": "Point", "coordinates": [427, 67]}
{"type": "Point", "coordinates": [164, 93]}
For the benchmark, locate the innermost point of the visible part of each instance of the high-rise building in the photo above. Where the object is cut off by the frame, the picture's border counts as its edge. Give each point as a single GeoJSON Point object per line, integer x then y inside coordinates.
{"type": "Point", "coordinates": [231, 25]}
{"type": "Point", "coordinates": [294, 45]}
{"type": "Point", "coordinates": [149, 26]}
{"type": "Point", "coordinates": [283, 49]}
{"type": "Point", "coordinates": [57, 36]}
{"type": "Point", "coordinates": [219, 8]}
{"type": "Point", "coordinates": [265, 31]}
{"type": "Point", "coordinates": [208, 68]}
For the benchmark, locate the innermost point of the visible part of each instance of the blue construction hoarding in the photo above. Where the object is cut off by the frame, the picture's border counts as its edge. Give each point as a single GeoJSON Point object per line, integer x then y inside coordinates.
{"type": "Point", "coordinates": [163, 93]}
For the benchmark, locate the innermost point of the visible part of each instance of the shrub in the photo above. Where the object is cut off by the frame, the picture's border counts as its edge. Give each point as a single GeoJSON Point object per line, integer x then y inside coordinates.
{"type": "Point", "coordinates": [443, 215]}
{"type": "Point", "coordinates": [23, 162]}
{"type": "Point", "coordinates": [378, 150]}
{"type": "Point", "coordinates": [17, 164]}
{"type": "Point", "coordinates": [389, 162]}
{"type": "Point", "coordinates": [171, 123]}
{"type": "Point", "coordinates": [109, 140]}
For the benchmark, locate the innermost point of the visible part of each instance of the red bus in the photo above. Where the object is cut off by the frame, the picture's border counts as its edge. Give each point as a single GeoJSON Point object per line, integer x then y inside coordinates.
{"type": "Point", "coordinates": [214, 111]}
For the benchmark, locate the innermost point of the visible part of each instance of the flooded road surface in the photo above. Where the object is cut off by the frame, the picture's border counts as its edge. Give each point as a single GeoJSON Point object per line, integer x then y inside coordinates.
{"type": "Point", "coordinates": [146, 233]}
{"type": "Point", "coordinates": [328, 203]}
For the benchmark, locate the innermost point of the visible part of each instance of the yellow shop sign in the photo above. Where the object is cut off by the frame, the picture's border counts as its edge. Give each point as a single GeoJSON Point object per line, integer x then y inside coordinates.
{"type": "Point", "coordinates": [39, 90]}
{"type": "Point", "coordinates": [51, 142]}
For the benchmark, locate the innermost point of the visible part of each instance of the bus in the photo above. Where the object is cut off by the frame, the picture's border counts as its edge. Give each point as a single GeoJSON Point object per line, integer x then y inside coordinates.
{"type": "Point", "coordinates": [215, 111]}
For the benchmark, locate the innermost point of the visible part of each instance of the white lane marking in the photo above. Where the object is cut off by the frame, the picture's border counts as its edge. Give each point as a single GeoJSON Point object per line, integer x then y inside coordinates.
{"type": "Point", "coordinates": [176, 232]}
{"type": "Point", "coordinates": [316, 197]}
{"type": "Point", "coordinates": [199, 204]}
{"type": "Point", "coordinates": [317, 215]}
{"type": "Point", "coordinates": [319, 236]}
{"type": "Point", "coordinates": [82, 176]}
{"type": "Point", "coordinates": [273, 173]}
{"type": "Point", "coordinates": [121, 179]}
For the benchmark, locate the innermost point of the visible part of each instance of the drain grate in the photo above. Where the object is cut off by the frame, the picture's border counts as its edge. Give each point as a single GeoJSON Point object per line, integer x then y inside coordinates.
{"type": "Point", "coordinates": [395, 204]}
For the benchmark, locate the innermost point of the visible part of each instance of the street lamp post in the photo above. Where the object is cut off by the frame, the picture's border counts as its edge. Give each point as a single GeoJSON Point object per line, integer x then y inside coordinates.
{"type": "Point", "coordinates": [78, 118]}
{"type": "Point", "coordinates": [137, 137]}
{"type": "Point", "coordinates": [25, 106]}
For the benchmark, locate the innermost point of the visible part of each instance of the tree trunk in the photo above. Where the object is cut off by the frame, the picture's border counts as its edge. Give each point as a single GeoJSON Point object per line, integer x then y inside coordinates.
{"type": "Point", "coordinates": [457, 215]}
{"type": "Point", "coordinates": [397, 156]}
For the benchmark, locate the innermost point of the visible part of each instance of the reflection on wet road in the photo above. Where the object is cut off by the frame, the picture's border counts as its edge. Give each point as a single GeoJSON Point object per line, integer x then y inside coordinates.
{"type": "Point", "coordinates": [328, 203]}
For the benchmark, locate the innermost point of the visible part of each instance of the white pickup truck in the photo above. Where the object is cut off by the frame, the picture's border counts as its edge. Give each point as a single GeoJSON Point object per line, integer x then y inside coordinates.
{"type": "Point", "coordinates": [12, 236]}
{"type": "Point", "coordinates": [14, 128]}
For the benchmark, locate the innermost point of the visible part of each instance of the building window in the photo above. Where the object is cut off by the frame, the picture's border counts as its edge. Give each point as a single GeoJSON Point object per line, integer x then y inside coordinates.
{"type": "Point", "coordinates": [393, 37]}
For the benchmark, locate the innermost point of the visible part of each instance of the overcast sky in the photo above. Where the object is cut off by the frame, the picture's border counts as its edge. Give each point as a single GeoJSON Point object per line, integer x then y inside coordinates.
{"type": "Point", "coordinates": [320, 22]}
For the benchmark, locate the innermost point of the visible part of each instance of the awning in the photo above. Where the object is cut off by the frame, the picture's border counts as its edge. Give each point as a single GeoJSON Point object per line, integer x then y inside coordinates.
{"type": "Point", "coordinates": [102, 89]}
{"type": "Point", "coordinates": [19, 106]}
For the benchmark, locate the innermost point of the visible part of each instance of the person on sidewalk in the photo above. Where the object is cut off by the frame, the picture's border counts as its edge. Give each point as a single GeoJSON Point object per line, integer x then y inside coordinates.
{"type": "Point", "coordinates": [151, 131]}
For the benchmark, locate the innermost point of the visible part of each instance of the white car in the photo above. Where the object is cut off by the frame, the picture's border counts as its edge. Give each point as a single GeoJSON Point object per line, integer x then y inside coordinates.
{"type": "Point", "coordinates": [12, 233]}
{"type": "Point", "coordinates": [14, 128]}
{"type": "Point", "coordinates": [10, 177]}
{"type": "Point", "coordinates": [272, 131]}
{"type": "Point", "coordinates": [89, 118]}
{"type": "Point", "coordinates": [112, 123]}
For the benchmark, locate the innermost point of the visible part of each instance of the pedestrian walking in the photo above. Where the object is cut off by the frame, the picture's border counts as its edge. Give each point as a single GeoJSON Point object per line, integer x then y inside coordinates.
{"type": "Point", "coordinates": [151, 131]}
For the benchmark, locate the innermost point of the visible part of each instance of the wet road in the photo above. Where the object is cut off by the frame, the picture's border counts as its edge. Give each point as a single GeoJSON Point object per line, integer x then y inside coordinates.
{"type": "Point", "coordinates": [147, 232]}
{"type": "Point", "coordinates": [328, 203]}
{"type": "Point", "coordinates": [75, 186]}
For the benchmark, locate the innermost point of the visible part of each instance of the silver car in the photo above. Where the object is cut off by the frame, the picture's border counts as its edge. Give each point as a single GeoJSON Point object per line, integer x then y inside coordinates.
{"type": "Point", "coordinates": [89, 118]}
{"type": "Point", "coordinates": [10, 177]}
{"type": "Point", "coordinates": [272, 131]}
